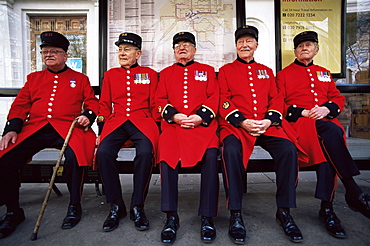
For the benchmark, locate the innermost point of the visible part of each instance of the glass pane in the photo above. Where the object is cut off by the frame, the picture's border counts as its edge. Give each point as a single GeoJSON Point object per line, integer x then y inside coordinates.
{"type": "Point", "coordinates": [355, 117]}
{"type": "Point", "coordinates": [76, 53]}
{"type": "Point", "coordinates": [5, 103]}
{"type": "Point", "coordinates": [357, 43]}
{"type": "Point", "coordinates": [212, 22]}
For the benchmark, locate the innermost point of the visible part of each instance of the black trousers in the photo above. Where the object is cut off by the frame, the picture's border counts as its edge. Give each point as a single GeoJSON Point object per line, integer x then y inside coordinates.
{"type": "Point", "coordinates": [209, 185]}
{"type": "Point", "coordinates": [14, 160]}
{"type": "Point", "coordinates": [284, 154]}
{"type": "Point", "coordinates": [107, 154]}
{"type": "Point", "coordinates": [339, 160]}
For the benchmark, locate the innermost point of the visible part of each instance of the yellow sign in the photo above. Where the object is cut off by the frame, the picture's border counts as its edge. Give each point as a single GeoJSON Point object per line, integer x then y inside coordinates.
{"type": "Point", "coordinates": [321, 16]}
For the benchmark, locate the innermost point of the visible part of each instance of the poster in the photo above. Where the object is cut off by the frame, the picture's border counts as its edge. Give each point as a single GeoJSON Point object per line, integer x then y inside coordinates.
{"type": "Point", "coordinates": [212, 22]}
{"type": "Point", "coordinates": [321, 16]}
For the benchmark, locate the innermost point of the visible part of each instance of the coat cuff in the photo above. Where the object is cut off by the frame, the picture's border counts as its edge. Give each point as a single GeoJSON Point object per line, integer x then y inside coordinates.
{"type": "Point", "coordinates": [294, 113]}
{"type": "Point", "coordinates": [206, 114]}
{"type": "Point", "coordinates": [235, 117]}
{"type": "Point", "coordinates": [334, 109]}
{"type": "Point", "coordinates": [90, 115]}
{"type": "Point", "coordinates": [168, 112]}
{"type": "Point", "coordinates": [15, 124]}
{"type": "Point", "coordinates": [275, 117]}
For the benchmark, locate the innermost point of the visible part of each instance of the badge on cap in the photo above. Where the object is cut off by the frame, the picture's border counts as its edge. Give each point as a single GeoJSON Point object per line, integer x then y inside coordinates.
{"type": "Point", "coordinates": [72, 83]}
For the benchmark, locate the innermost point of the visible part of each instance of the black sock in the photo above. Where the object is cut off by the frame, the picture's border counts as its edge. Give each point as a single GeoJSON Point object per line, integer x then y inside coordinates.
{"type": "Point", "coordinates": [172, 213]}
{"type": "Point", "coordinates": [235, 211]}
{"type": "Point", "coordinates": [326, 205]}
{"type": "Point", "coordinates": [12, 200]}
{"type": "Point", "coordinates": [283, 209]}
{"type": "Point", "coordinates": [352, 188]}
{"type": "Point", "coordinates": [119, 202]}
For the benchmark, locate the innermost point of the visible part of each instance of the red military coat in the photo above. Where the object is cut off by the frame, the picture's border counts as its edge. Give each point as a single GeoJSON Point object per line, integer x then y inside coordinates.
{"type": "Point", "coordinates": [57, 99]}
{"type": "Point", "coordinates": [191, 89]}
{"type": "Point", "coordinates": [128, 94]}
{"type": "Point", "coordinates": [248, 91]}
{"type": "Point", "coordinates": [303, 88]}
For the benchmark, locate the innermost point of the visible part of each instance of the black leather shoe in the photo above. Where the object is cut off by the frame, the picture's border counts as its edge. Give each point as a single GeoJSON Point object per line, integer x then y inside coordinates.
{"type": "Point", "coordinates": [360, 204]}
{"type": "Point", "coordinates": [168, 234]}
{"type": "Point", "coordinates": [116, 213]}
{"type": "Point", "coordinates": [207, 230]}
{"type": "Point", "coordinates": [289, 226]}
{"type": "Point", "coordinates": [10, 221]}
{"type": "Point", "coordinates": [237, 231]}
{"type": "Point", "coordinates": [73, 216]}
{"type": "Point", "coordinates": [137, 215]}
{"type": "Point", "coordinates": [332, 223]}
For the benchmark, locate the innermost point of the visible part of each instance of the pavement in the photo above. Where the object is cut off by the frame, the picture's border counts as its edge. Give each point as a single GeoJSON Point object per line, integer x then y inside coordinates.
{"type": "Point", "coordinates": [258, 213]}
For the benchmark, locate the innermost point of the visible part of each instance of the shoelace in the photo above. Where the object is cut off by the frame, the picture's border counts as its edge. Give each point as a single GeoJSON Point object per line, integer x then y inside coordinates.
{"type": "Point", "coordinates": [7, 216]}
{"type": "Point", "coordinates": [170, 224]}
{"type": "Point", "coordinates": [207, 225]}
{"type": "Point", "coordinates": [365, 199]}
{"type": "Point", "coordinates": [238, 221]}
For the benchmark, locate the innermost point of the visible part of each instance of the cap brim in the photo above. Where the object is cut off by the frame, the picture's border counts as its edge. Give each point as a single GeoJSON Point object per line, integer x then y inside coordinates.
{"type": "Point", "coordinates": [304, 40]}
{"type": "Point", "coordinates": [183, 39]}
{"type": "Point", "coordinates": [246, 33]}
{"type": "Point", "coordinates": [49, 44]}
{"type": "Point", "coordinates": [123, 42]}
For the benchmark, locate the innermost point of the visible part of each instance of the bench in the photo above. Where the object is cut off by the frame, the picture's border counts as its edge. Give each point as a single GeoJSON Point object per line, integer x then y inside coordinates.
{"type": "Point", "coordinates": [40, 169]}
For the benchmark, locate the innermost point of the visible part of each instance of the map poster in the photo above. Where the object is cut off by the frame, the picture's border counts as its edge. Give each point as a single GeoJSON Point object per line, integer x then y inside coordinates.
{"type": "Point", "coordinates": [321, 16]}
{"type": "Point", "coordinates": [213, 24]}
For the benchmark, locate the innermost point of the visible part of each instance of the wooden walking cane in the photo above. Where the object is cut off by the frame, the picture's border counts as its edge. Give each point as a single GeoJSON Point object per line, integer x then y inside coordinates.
{"type": "Point", "coordinates": [44, 204]}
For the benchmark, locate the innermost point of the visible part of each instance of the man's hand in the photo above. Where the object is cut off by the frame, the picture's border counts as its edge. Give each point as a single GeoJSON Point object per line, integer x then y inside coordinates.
{"type": "Point", "coordinates": [318, 113]}
{"type": "Point", "coordinates": [250, 126]}
{"type": "Point", "coordinates": [192, 121]}
{"type": "Point", "coordinates": [185, 121]}
{"type": "Point", "coordinates": [83, 120]}
{"type": "Point", "coordinates": [177, 118]}
{"type": "Point", "coordinates": [264, 124]}
{"type": "Point", "coordinates": [255, 127]}
{"type": "Point", "coordinates": [305, 113]}
{"type": "Point", "coordinates": [11, 136]}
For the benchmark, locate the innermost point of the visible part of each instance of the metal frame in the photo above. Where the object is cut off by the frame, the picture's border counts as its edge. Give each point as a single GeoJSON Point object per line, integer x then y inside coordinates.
{"type": "Point", "coordinates": [240, 19]}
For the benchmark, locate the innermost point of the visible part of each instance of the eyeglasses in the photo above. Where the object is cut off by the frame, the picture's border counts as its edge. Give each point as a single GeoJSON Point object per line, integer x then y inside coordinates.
{"type": "Point", "coordinates": [126, 50]}
{"type": "Point", "coordinates": [242, 42]}
{"type": "Point", "coordinates": [185, 45]}
{"type": "Point", "coordinates": [53, 52]}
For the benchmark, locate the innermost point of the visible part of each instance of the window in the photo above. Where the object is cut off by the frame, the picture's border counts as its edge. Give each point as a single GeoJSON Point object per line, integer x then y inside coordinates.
{"type": "Point", "coordinates": [73, 27]}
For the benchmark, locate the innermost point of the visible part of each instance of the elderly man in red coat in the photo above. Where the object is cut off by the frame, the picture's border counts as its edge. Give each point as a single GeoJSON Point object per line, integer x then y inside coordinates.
{"type": "Point", "coordinates": [312, 103]}
{"type": "Point", "coordinates": [251, 113]}
{"type": "Point", "coordinates": [187, 97]}
{"type": "Point", "coordinates": [127, 112]}
{"type": "Point", "coordinates": [40, 117]}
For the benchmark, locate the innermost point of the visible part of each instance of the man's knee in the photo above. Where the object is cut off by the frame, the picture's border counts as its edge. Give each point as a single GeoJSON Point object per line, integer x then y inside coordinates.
{"type": "Point", "coordinates": [102, 151]}
{"type": "Point", "coordinates": [231, 145]}
{"type": "Point", "coordinates": [290, 149]}
{"type": "Point", "coordinates": [328, 127]}
{"type": "Point", "coordinates": [144, 151]}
